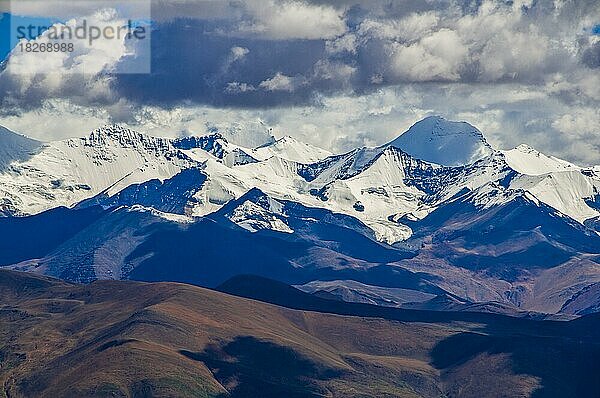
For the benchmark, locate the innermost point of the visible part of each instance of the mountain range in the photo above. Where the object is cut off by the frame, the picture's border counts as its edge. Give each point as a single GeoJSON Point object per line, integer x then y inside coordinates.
{"type": "Point", "coordinates": [436, 219]}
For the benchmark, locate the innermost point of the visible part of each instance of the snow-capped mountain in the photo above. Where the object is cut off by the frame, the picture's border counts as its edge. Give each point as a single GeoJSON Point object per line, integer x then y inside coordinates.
{"type": "Point", "coordinates": [526, 160]}
{"type": "Point", "coordinates": [379, 186]}
{"type": "Point", "coordinates": [473, 222]}
{"type": "Point", "coordinates": [63, 173]}
{"type": "Point", "coordinates": [15, 147]}
{"type": "Point", "coordinates": [437, 140]}
{"type": "Point", "coordinates": [289, 148]}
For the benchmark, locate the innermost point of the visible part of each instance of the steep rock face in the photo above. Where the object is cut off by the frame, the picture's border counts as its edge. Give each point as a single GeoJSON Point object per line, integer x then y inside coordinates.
{"type": "Point", "coordinates": [118, 136]}
{"type": "Point", "coordinates": [214, 144]}
{"type": "Point", "coordinates": [437, 140]}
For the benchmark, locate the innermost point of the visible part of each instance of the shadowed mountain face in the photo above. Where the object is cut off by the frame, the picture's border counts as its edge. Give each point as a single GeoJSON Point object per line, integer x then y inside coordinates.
{"type": "Point", "coordinates": [533, 346]}
{"type": "Point", "coordinates": [259, 368]}
{"type": "Point", "coordinates": [34, 237]}
{"type": "Point", "coordinates": [116, 242]}
{"type": "Point", "coordinates": [217, 249]}
{"type": "Point", "coordinates": [171, 195]}
{"type": "Point", "coordinates": [120, 243]}
{"type": "Point", "coordinates": [507, 240]}
{"type": "Point", "coordinates": [164, 339]}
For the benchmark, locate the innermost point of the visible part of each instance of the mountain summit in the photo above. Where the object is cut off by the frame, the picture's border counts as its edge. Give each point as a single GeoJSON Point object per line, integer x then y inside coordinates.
{"type": "Point", "coordinates": [437, 140]}
{"type": "Point", "coordinates": [15, 147]}
{"type": "Point", "coordinates": [291, 149]}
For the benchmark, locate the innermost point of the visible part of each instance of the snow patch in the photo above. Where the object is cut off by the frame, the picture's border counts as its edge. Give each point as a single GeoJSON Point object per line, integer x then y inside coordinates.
{"type": "Point", "coordinates": [254, 218]}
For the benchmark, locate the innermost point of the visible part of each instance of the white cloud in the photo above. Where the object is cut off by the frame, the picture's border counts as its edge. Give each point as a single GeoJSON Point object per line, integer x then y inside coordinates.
{"type": "Point", "coordinates": [408, 29]}
{"type": "Point", "coordinates": [279, 82]}
{"type": "Point", "coordinates": [580, 123]}
{"type": "Point", "coordinates": [345, 43]}
{"type": "Point", "coordinates": [54, 121]}
{"type": "Point", "coordinates": [293, 20]}
{"type": "Point", "coordinates": [516, 74]}
{"type": "Point", "coordinates": [438, 56]}
{"type": "Point", "coordinates": [332, 70]}
{"type": "Point", "coordinates": [237, 87]}
{"type": "Point", "coordinates": [238, 53]}
{"type": "Point", "coordinates": [342, 123]}
{"type": "Point", "coordinates": [78, 74]}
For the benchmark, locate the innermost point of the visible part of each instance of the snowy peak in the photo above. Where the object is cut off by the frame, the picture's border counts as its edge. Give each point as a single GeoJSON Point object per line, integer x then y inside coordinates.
{"type": "Point", "coordinates": [213, 143]}
{"type": "Point", "coordinates": [255, 211]}
{"type": "Point", "coordinates": [437, 140]}
{"type": "Point", "coordinates": [289, 148]}
{"type": "Point", "coordinates": [63, 173]}
{"type": "Point", "coordinates": [527, 160]}
{"type": "Point", "coordinates": [114, 134]}
{"type": "Point", "coordinates": [15, 147]}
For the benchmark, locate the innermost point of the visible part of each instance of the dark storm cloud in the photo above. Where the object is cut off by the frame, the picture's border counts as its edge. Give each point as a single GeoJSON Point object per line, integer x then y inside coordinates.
{"type": "Point", "coordinates": [191, 62]}
{"type": "Point", "coordinates": [292, 52]}
{"type": "Point", "coordinates": [380, 43]}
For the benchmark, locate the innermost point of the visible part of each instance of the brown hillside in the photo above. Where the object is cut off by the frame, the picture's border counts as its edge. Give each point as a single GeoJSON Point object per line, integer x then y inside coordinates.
{"type": "Point", "coordinates": [129, 339]}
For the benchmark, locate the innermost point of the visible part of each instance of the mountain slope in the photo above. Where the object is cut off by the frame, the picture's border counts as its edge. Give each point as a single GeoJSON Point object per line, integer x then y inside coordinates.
{"type": "Point", "coordinates": [289, 148]}
{"type": "Point", "coordinates": [372, 184]}
{"type": "Point", "coordinates": [507, 254]}
{"type": "Point", "coordinates": [527, 160]}
{"type": "Point", "coordinates": [15, 148]}
{"type": "Point", "coordinates": [525, 252]}
{"type": "Point", "coordinates": [137, 339]}
{"type": "Point", "coordinates": [26, 238]}
{"type": "Point", "coordinates": [172, 195]}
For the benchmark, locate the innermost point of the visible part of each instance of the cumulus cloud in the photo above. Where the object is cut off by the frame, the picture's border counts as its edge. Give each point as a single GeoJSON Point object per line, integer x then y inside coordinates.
{"type": "Point", "coordinates": [438, 56]}
{"type": "Point", "coordinates": [237, 87]}
{"type": "Point", "coordinates": [292, 20]}
{"type": "Point", "coordinates": [238, 53]}
{"type": "Point", "coordinates": [299, 48]}
{"type": "Point", "coordinates": [280, 82]}
{"type": "Point", "coordinates": [580, 123]}
{"type": "Point", "coordinates": [82, 75]}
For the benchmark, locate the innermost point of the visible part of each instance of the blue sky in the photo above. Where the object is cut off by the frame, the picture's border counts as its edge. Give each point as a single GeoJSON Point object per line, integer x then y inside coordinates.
{"type": "Point", "coordinates": [8, 29]}
{"type": "Point", "coordinates": [4, 36]}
